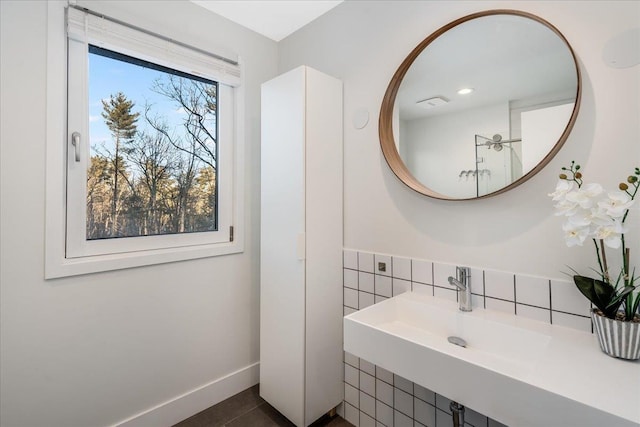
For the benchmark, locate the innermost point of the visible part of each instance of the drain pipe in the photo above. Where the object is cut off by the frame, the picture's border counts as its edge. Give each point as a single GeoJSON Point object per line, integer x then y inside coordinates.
{"type": "Point", "coordinates": [457, 413]}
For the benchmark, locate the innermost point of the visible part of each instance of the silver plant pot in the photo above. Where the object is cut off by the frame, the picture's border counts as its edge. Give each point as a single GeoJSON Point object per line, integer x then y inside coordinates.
{"type": "Point", "coordinates": [617, 338]}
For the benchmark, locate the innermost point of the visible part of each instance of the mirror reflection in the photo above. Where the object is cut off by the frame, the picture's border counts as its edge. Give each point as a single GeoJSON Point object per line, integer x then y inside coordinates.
{"type": "Point", "coordinates": [484, 104]}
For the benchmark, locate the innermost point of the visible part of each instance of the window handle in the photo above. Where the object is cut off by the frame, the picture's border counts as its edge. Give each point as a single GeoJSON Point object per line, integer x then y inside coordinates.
{"type": "Point", "coordinates": [75, 141]}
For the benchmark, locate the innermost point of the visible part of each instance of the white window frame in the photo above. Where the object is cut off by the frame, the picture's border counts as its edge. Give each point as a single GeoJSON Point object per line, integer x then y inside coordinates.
{"type": "Point", "coordinates": [112, 254]}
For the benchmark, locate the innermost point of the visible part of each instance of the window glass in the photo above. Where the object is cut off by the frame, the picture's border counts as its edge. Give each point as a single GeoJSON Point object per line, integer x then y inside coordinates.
{"type": "Point", "coordinates": [153, 135]}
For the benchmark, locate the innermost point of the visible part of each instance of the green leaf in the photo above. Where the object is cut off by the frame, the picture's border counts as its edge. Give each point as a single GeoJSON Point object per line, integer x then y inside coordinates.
{"type": "Point", "coordinates": [615, 302]}
{"type": "Point", "coordinates": [598, 292]}
{"type": "Point", "coordinates": [634, 305]}
{"type": "Point", "coordinates": [605, 291]}
{"type": "Point", "coordinates": [631, 306]}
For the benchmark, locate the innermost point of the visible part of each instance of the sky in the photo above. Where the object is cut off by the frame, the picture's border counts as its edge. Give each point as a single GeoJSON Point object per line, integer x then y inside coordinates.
{"type": "Point", "coordinates": [109, 76]}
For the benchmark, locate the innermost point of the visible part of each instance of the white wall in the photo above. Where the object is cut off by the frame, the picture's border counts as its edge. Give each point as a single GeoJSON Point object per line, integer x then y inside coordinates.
{"type": "Point", "coordinates": [97, 349]}
{"type": "Point", "coordinates": [440, 147]}
{"type": "Point", "coordinates": [540, 127]}
{"type": "Point", "coordinates": [363, 43]}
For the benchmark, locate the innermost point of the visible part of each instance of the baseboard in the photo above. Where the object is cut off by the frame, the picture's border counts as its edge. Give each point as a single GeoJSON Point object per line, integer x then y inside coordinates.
{"type": "Point", "coordinates": [194, 401]}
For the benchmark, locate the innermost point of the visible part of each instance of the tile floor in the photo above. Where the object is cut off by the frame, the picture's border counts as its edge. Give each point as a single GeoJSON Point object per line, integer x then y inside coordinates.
{"type": "Point", "coordinates": [248, 409]}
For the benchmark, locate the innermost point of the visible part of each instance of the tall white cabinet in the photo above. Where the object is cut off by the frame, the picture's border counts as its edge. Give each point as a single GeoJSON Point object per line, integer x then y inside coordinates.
{"type": "Point", "coordinates": [301, 245]}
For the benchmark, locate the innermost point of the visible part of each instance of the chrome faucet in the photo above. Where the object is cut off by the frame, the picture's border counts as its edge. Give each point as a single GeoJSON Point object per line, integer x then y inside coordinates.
{"type": "Point", "coordinates": [462, 281]}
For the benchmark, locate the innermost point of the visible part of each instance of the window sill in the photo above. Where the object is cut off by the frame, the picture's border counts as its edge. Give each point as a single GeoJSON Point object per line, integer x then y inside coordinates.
{"type": "Point", "coordinates": [57, 266]}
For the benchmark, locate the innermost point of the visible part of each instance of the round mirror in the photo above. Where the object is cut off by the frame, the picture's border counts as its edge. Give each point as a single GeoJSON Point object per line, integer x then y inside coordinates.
{"type": "Point", "coordinates": [480, 106]}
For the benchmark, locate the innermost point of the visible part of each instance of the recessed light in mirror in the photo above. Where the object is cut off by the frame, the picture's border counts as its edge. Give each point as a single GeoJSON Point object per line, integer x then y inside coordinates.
{"type": "Point", "coordinates": [465, 91]}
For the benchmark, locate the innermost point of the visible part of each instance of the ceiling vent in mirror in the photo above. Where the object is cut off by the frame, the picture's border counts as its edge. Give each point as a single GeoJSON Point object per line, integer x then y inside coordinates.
{"type": "Point", "coordinates": [432, 102]}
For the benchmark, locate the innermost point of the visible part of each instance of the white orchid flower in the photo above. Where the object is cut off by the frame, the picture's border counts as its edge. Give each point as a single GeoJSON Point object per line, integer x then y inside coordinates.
{"type": "Point", "coordinates": [566, 207]}
{"type": "Point", "coordinates": [599, 216]}
{"type": "Point", "coordinates": [593, 189]}
{"type": "Point", "coordinates": [574, 235]}
{"type": "Point", "coordinates": [562, 188]}
{"type": "Point", "coordinates": [610, 233]}
{"type": "Point", "coordinates": [616, 204]}
{"type": "Point", "coordinates": [585, 196]}
{"type": "Point", "coordinates": [581, 218]}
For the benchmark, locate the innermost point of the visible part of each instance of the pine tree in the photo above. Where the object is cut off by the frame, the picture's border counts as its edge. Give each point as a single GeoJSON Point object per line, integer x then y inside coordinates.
{"type": "Point", "coordinates": [121, 121]}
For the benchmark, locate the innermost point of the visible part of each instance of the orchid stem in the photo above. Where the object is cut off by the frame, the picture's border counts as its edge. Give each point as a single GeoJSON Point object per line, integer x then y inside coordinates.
{"type": "Point", "coordinates": [625, 266]}
{"type": "Point", "coordinates": [604, 262]}
{"type": "Point", "coordinates": [599, 260]}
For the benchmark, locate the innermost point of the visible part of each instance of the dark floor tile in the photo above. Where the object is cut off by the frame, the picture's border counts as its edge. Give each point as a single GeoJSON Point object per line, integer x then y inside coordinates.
{"type": "Point", "coordinates": [248, 409]}
{"type": "Point", "coordinates": [339, 422]}
{"type": "Point", "coordinates": [336, 421]}
{"type": "Point", "coordinates": [225, 411]}
{"type": "Point", "coordinates": [262, 416]}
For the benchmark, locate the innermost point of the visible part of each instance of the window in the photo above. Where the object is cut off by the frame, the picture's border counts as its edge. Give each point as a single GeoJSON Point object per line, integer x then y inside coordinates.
{"type": "Point", "coordinates": [152, 152]}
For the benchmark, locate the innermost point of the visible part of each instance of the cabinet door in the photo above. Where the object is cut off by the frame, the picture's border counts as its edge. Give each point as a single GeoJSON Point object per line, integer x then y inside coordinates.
{"type": "Point", "coordinates": [282, 285]}
{"type": "Point", "coordinates": [323, 149]}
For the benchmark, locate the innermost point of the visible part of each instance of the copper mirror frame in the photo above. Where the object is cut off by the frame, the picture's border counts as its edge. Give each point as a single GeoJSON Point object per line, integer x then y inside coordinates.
{"type": "Point", "coordinates": [385, 124]}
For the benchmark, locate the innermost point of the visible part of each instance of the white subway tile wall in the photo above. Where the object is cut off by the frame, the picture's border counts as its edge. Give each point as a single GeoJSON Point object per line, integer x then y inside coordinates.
{"type": "Point", "coordinates": [350, 278]}
{"type": "Point", "coordinates": [383, 286]}
{"type": "Point", "coordinates": [422, 271]}
{"type": "Point", "coordinates": [499, 284]}
{"type": "Point", "coordinates": [500, 305]}
{"type": "Point", "coordinates": [424, 413]}
{"type": "Point", "coordinates": [365, 300]}
{"type": "Point", "coordinates": [368, 367]}
{"type": "Point", "coordinates": [401, 268]}
{"type": "Point", "coordinates": [378, 298]}
{"type": "Point", "coordinates": [571, 321]}
{"type": "Point", "coordinates": [441, 273]}
{"type": "Point", "coordinates": [365, 282]}
{"type": "Point", "coordinates": [477, 301]}
{"type": "Point", "coordinates": [448, 294]}
{"type": "Point", "coordinates": [566, 297]}
{"type": "Point", "coordinates": [528, 291]}
{"type": "Point", "coordinates": [384, 392]}
{"type": "Point", "coordinates": [384, 375]}
{"type": "Point", "coordinates": [477, 279]}
{"type": "Point", "coordinates": [365, 262]}
{"type": "Point", "coordinates": [419, 287]}
{"type": "Point", "coordinates": [367, 383]}
{"type": "Point", "coordinates": [350, 298]}
{"type": "Point", "coordinates": [350, 259]}
{"type": "Point", "coordinates": [366, 420]}
{"type": "Point", "coordinates": [351, 395]}
{"type": "Point", "coordinates": [377, 397]}
{"type": "Point", "coordinates": [403, 401]}
{"type": "Point", "coordinates": [367, 404]}
{"type": "Point", "coordinates": [352, 414]}
{"type": "Point", "coordinates": [400, 286]}
{"type": "Point", "coordinates": [535, 313]}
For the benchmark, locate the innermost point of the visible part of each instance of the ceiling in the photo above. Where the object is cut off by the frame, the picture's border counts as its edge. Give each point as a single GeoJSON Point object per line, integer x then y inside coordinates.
{"type": "Point", "coordinates": [504, 58]}
{"type": "Point", "coordinates": [273, 19]}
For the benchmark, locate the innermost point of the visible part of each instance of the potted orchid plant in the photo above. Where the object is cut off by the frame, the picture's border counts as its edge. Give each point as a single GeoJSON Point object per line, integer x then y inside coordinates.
{"type": "Point", "coordinates": [601, 217]}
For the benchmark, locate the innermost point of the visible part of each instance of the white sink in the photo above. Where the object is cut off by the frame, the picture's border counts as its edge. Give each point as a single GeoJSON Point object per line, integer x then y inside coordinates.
{"type": "Point", "coordinates": [515, 370]}
{"type": "Point", "coordinates": [492, 344]}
